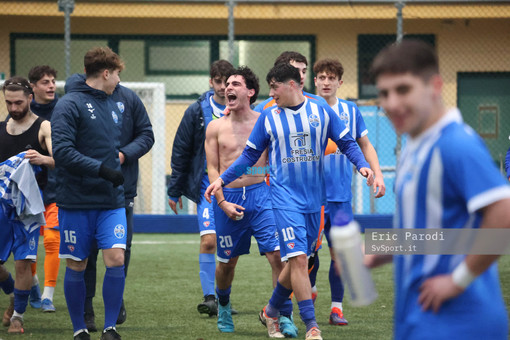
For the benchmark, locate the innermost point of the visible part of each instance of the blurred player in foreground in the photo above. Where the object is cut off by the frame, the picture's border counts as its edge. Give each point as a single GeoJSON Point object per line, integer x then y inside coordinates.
{"type": "Point", "coordinates": [445, 179]}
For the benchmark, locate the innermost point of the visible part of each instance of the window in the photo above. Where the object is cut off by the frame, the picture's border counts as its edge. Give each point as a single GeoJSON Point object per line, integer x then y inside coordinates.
{"type": "Point", "coordinates": [181, 62]}
{"type": "Point", "coordinates": [368, 47]}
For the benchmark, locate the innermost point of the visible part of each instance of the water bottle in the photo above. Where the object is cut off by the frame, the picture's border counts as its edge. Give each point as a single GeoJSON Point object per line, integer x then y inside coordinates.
{"type": "Point", "coordinates": [346, 239]}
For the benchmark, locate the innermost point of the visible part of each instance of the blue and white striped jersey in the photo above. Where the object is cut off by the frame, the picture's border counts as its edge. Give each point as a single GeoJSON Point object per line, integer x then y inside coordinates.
{"type": "Point", "coordinates": [337, 168]}
{"type": "Point", "coordinates": [296, 141]}
{"type": "Point", "coordinates": [445, 176]}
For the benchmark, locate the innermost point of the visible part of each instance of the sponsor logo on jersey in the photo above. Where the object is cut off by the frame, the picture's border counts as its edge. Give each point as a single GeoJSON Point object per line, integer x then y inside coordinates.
{"type": "Point", "coordinates": [92, 116]}
{"type": "Point", "coordinates": [291, 245]}
{"type": "Point", "coordinates": [277, 111]}
{"type": "Point", "coordinates": [70, 247]}
{"type": "Point", "coordinates": [228, 252]}
{"type": "Point", "coordinates": [300, 140]}
{"type": "Point", "coordinates": [207, 224]}
{"type": "Point", "coordinates": [31, 244]}
{"type": "Point", "coordinates": [119, 231]}
{"type": "Point", "coordinates": [90, 108]}
{"type": "Point", "coordinates": [120, 105]}
{"type": "Point", "coordinates": [314, 120]}
{"type": "Point", "coordinates": [115, 117]}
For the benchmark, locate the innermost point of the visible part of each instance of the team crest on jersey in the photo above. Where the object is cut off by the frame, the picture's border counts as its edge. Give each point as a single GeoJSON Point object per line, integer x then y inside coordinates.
{"type": "Point", "coordinates": [277, 111]}
{"type": "Point", "coordinates": [314, 120]}
{"type": "Point", "coordinates": [119, 231]}
{"type": "Point", "coordinates": [291, 245]}
{"type": "Point", "coordinates": [31, 244]}
{"type": "Point", "coordinates": [70, 247]}
{"type": "Point", "coordinates": [228, 252]}
{"type": "Point", "coordinates": [115, 117]}
{"type": "Point", "coordinates": [344, 116]}
{"type": "Point", "coordinates": [207, 224]}
{"type": "Point", "coordinates": [120, 105]}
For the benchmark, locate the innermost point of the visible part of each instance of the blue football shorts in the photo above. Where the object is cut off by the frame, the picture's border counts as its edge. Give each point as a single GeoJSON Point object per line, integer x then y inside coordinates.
{"type": "Point", "coordinates": [205, 211]}
{"type": "Point", "coordinates": [79, 228]}
{"type": "Point", "coordinates": [234, 237]}
{"type": "Point", "coordinates": [330, 210]}
{"type": "Point", "coordinates": [16, 239]}
{"type": "Point", "coordinates": [297, 232]}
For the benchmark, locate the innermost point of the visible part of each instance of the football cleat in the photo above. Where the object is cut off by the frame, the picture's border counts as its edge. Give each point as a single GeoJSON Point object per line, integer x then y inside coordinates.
{"type": "Point", "coordinates": [337, 317]}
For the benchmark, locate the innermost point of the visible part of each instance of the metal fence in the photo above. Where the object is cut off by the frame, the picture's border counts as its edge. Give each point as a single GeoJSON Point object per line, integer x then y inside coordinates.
{"type": "Point", "coordinates": [174, 42]}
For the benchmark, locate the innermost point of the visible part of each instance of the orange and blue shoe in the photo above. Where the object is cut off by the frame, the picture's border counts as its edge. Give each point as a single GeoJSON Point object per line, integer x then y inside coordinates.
{"type": "Point", "coordinates": [272, 324]}
{"type": "Point", "coordinates": [337, 317]}
{"type": "Point", "coordinates": [313, 334]}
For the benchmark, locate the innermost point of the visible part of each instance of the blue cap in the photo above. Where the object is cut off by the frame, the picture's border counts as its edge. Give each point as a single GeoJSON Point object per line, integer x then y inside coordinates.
{"type": "Point", "coordinates": [341, 219]}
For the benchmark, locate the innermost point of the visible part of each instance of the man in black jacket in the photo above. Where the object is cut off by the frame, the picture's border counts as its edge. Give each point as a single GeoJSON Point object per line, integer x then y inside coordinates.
{"type": "Point", "coordinates": [189, 176]}
{"type": "Point", "coordinates": [136, 139]}
{"type": "Point", "coordinates": [86, 124]}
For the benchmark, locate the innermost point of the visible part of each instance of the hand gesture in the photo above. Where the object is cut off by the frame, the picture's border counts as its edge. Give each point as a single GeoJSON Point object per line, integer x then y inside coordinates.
{"type": "Point", "coordinates": [436, 290]}
{"type": "Point", "coordinates": [379, 187]}
{"type": "Point", "coordinates": [211, 189]}
{"type": "Point", "coordinates": [172, 202]}
{"type": "Point", "coordinates": [369, 174]}
{"type": "Point", "coordinates": [232, 210]}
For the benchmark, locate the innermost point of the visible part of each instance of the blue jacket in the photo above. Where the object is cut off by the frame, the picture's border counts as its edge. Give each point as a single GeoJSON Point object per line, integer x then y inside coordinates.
{"type": "Point", "coordinates": [136, 137]}
{"type": "Point", "coordinates": [85, 133]}
{"type": "Point", "coordinates": [44, 111]}
{"type": "Point", "coordinates": [188, 152]}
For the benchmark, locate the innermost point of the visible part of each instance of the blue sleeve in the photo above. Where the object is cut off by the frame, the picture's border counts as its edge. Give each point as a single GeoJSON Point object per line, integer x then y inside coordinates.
{"type": "Point", "coordinates": [249, 157]}
{"type": "Point", "coordinates": [507, 163]}
{"type": "Point", "coordinates": [471, 171]}
{"type": "Point", "coordinates": [64, 129]}
{"type": "Point", "coordinates": [339, 133]}
{"type": "Point", "coordinates": [361, 129]}
{"type": "Point", "coordinates": [143, 136]}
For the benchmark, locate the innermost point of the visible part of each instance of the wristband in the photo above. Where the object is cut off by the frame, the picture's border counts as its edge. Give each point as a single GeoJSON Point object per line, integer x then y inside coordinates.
{"type": "Point", "coordinates": [462, 276]}
{"type": "Point", "coordinates": [223, 200]}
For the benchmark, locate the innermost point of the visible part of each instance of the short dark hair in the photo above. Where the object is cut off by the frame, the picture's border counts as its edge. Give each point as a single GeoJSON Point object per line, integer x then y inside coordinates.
{"type": "Point", "coordinates": [220, 68]}
{"type": "Point", "coordinates": [413, 56]}
{"type": "Point", "coordinates": [250, 78]}
{"type": "Point", "coordinates": [329, 65]}
{"type": "Point", "coordinates": [287, 56]}
{"type": "Point", "coordinates": [283, 72]}
{"type": "Point", "coordinates": [99, 59]}
{"type": "Point", "coordinates": [36, 73]}
{"type": "Point", "coordinates": [17, 83]}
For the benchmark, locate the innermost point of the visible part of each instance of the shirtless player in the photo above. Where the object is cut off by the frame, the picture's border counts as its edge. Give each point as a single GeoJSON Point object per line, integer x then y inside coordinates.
{"type": "Point", "coordinates": [244, 208]}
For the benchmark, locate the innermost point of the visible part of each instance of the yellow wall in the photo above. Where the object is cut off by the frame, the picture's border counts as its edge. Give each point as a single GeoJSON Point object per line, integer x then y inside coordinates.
{"type": "Point", "coordinates": [481, 43]}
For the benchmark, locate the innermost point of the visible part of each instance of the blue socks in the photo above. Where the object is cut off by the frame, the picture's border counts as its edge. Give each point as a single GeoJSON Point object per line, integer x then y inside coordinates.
{"type": "Point", "coordinates": [286, 308]}
{"type": "Point", "coordinates": [307, 312]}
{"type": "Point", "coordinates": [74, 291]}
{"type": "Point", "coordinates": [335, 283]}
{"type": "Point", "coordinates": [280, 295]}
{"type": "Point", "coordinates": [207, 264]}
{"type": "Point", "coordinates": [223, 295]}
{"type": "Point", "coordinates": [113, 289]}
{"type": "Point", "coordinates": [21, 300]}
{"type": "Point", "coordinates": [7, 285]}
